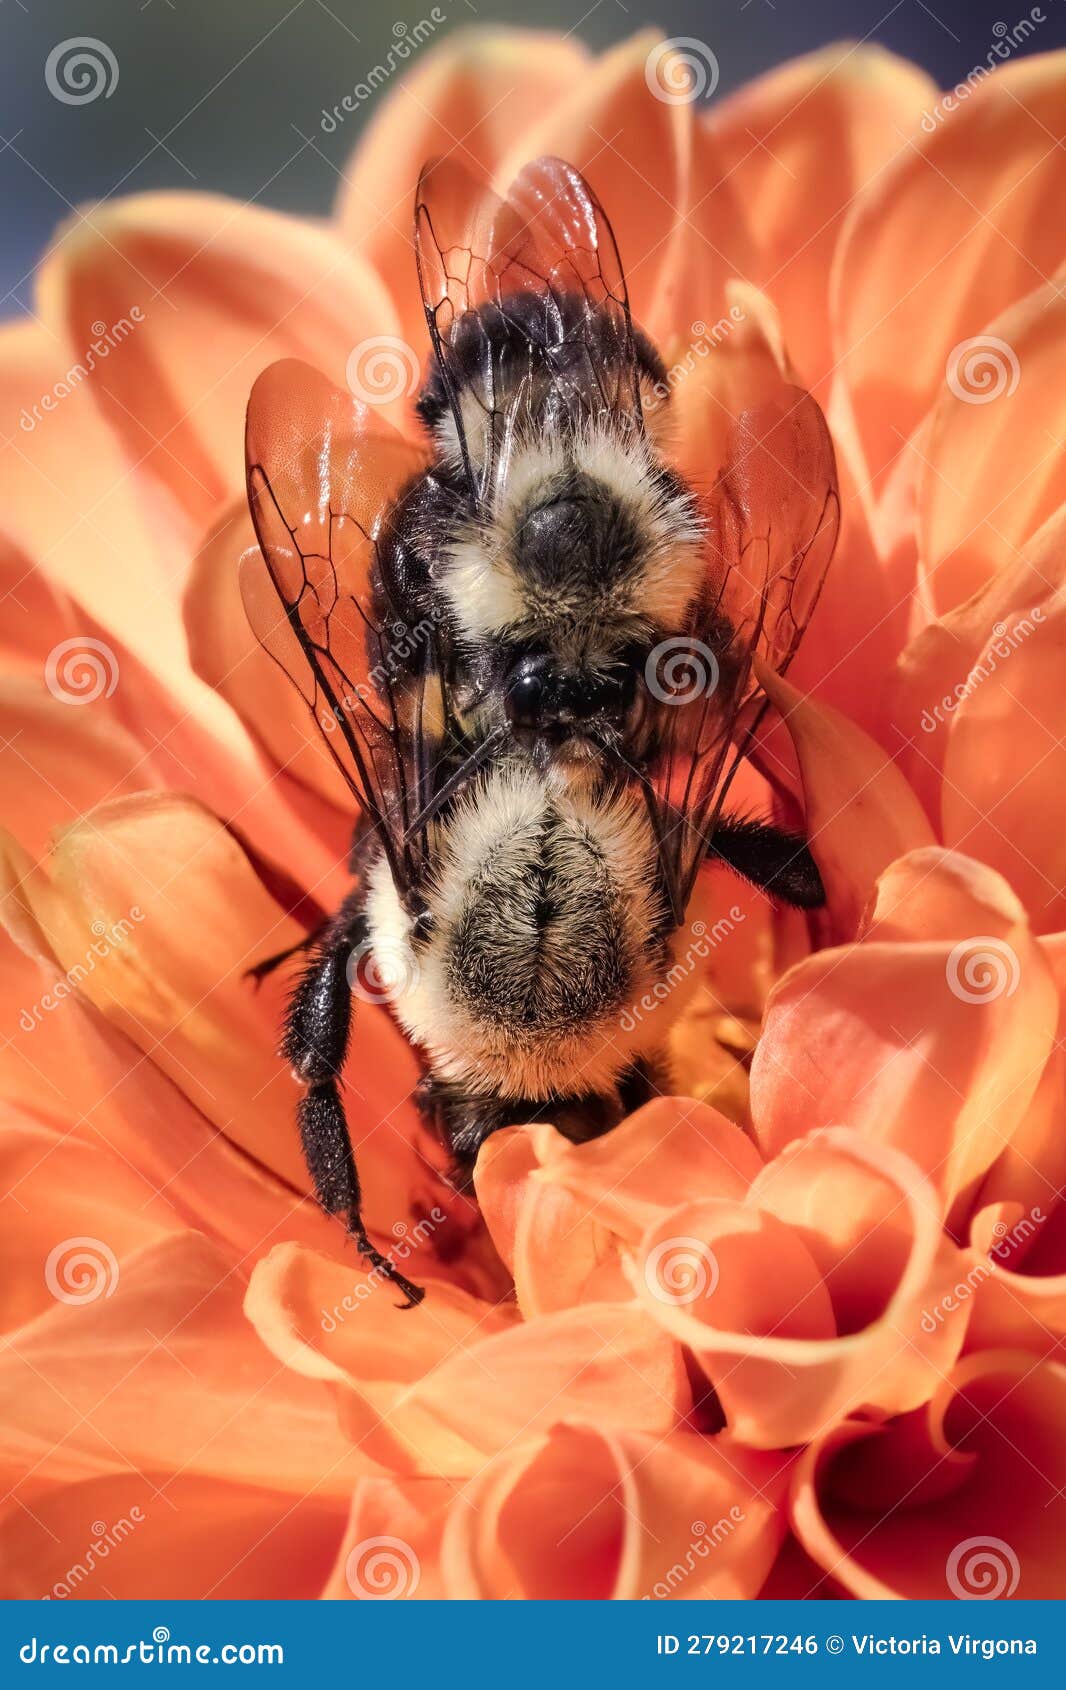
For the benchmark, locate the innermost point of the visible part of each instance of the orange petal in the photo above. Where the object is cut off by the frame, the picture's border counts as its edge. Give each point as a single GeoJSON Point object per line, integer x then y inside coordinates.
{"type": "Point", "coordinates": [61, 753]}
{"type": "Point", "coordinates": [70, 499]}
{"type": "Point", "coordinates": [1005, 761]}
{"type": "Point", "coordinates": [467, 98]}
{"type": "Point", "coordinates": [937, 669]}
{"type": "Point", "coordinates": [585, 1512]}
{"type": "Point", "coordinates": [993, 467]}
{"type": "Point", "coordinates": [220, 290]}
{"type": "Point", "coordinates": [121, 1538]}
{"type": "Point", "coordinates": [628, 1178]}
{"type": "Point", "coordinates": [861, 814]}
{"type": "Point", "coordinates": [157, 1370]}
{"type": "Point", "coordinates": [224, 651]}
{"type": "Point", "coordinates": [929, 1035]}
{"type": "Point", "coordinates": [799, 145]}
{"type": "Point", "coordinates": [952, 232]}
{"type": "Point", "coordinates": [611, 126]}
{"type": "Point", "coordinates": [817, 1297]}
{"type": "Point", "coordinates": [194, 917]}
{"type": "Point", "coordinates": [963, 1500]}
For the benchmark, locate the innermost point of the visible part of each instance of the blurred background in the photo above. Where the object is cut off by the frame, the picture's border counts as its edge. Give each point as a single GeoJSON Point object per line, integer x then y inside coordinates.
{"type": "Point", "coordinates": [230, 94]}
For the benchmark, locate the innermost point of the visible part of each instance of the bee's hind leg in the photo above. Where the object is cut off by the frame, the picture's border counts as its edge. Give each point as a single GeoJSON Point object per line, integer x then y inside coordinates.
{"type": "Point", "coordinates": [316, 1043]}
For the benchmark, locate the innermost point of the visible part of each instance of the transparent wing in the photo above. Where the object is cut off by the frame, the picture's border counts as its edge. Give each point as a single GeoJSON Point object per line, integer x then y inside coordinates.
{"type": "Point", "coordinates": [771, 518]}
{"type": "Point", "coordinates": [522, 294]}
{"type": "Point", "coordinates": [323, 473]}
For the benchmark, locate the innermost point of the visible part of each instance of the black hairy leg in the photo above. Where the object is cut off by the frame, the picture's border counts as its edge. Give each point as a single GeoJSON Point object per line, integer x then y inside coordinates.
{"type": "Point", "coordinates": [316, 1043]}
{"type": "Point", "coordinates": [778, 863]}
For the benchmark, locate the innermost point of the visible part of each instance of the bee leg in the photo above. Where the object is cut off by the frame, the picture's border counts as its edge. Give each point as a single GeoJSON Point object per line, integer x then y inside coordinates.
{"type": "Point", "coordinates": [316, 1043]}
{"type": "Point", "coordinates": [778, 863]}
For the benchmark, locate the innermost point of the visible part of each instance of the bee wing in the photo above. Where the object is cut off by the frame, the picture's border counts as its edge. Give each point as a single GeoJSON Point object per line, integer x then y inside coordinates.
{"type": "Point", "coordinates": [322, 474]}
{"type": "Point", "coordinates": [545, 260]}
{"type": "Point", "coordinates": [772, 518]}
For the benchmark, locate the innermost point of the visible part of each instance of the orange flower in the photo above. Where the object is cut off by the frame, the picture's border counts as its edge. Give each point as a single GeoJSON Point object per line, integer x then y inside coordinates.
{"type": "Point", "coordinates": [751, 1339]}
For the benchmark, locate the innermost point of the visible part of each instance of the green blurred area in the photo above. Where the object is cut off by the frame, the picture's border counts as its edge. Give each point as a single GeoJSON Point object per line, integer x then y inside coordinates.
{"type": "Point", "coordinates": [228, 95]}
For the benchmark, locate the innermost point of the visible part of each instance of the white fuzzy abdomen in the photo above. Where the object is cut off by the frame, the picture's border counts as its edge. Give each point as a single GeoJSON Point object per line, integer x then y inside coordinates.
{"type": "Point", "coordinates": [547, 924]}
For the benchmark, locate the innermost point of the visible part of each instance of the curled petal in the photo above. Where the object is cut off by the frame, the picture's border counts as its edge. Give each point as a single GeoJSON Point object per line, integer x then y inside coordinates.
{"type": "Point", "coordinates": [585, 1512]}
{"type": "Point", "coordinates": [963, 1499]}
{"type": "Point", "coordinates": [930, 1035]}
{"type": "Point", "coordinates": [861, 814]}
{"type": "Point", "coordinates": [816, 1297]}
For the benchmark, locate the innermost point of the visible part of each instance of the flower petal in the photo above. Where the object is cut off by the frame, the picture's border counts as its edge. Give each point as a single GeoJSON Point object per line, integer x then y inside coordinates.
{"type": "Point", "coordinates": [954, 230]}
{"type": "Point", "coordinates": [964, 1499]}
{"type": "Point", "coordinates": [798, 146]}
{"type": "Point", "coordinates": [929, 1035]}
{"type": "Point", "coordinates": [1005, 761]}
{"type": "Point", "coordinates": [469, 97]}
{"type": "Point", "coordinates": [993, 466]}
{"type": "Point", "coordinates": [585, 1512]}
{"type": "Point", "coordinates": [222, 289]}
{"type": "Point", "coordinates": [861, 814]}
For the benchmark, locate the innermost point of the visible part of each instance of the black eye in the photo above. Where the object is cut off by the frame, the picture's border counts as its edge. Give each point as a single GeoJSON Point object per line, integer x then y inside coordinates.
{"type": "Point", "coordinates": [525, 693]}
